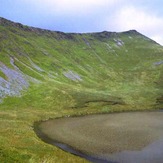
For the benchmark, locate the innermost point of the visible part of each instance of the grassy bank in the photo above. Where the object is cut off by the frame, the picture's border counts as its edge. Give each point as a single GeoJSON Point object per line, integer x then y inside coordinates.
{"type": "Point", "coordinates": [18, 140]}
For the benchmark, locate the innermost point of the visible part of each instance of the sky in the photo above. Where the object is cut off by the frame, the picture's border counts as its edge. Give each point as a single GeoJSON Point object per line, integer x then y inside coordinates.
{"type": "Point", "coordinates": [145, 16]}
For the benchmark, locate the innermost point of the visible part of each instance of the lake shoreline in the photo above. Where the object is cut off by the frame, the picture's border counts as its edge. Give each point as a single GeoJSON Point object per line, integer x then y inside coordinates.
{"type": "Point", "coordinates": [66, 147]}
{"type": "Point", "coordinates": [71, 149]}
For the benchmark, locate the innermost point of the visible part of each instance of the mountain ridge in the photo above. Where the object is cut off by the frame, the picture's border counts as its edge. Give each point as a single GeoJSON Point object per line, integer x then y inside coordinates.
{"type": "Point", "coordinates": [6, 22]}
{"type": "Point", "coordinates": [21, 46]}
{"type": "Point", "coordinates": [45, 74]}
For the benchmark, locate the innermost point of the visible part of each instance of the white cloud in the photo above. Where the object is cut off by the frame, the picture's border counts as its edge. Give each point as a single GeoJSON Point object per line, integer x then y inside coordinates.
{"type": "Point", "coordinates": [142, 20]}
{"type": "Point", "coordinates": [130, 17]}
{"type": "Point", "coordinates": [71, 7]}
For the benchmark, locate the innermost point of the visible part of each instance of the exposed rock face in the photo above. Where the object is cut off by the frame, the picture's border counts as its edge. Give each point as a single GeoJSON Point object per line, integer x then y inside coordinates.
{"type": "Point", "coordinates": [158, 63]}
{"type": "Point", "coordinates": [16, 80]}
{"type": "Point", "coordinates": [73, 76]}
{"type": "Point", "coordinates": [15, 83]}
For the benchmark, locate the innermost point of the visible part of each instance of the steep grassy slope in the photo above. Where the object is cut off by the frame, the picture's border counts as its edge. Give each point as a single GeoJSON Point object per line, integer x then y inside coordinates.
{"type": "Point", "coordinates": [47, 74]}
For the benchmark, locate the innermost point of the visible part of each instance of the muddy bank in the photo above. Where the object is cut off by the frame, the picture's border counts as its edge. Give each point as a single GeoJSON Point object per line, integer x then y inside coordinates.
{"type": "Point", "coordinates": [121, 137]}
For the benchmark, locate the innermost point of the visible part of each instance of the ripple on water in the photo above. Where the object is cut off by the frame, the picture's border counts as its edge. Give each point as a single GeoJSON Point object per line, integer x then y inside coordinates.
{"type": "Point", "coordinates": [135, 137]}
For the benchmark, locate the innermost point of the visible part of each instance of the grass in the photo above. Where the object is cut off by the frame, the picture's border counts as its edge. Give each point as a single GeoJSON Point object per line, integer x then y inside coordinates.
{"type": "Point", "coordinates": [29, 71]}
{"type": "Point", "coordinates": [19, 143]}
{"type": "Point", "coordinates": [2, 75]}
{"type": "Point", "coordinates": [114, 78]}
{"type": "Point", "coordinates": [18, 140]}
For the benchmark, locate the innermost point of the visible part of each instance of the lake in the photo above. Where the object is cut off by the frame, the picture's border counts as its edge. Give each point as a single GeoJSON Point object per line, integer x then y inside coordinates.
{"type": "Point", "coordinates": [129, 137]}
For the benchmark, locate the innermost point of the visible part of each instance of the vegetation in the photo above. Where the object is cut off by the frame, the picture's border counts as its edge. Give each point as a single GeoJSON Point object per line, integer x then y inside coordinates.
{"type": "Point", "coordinates": [2, 75]}
{"type": "Point", "coordinates": [72, 74]}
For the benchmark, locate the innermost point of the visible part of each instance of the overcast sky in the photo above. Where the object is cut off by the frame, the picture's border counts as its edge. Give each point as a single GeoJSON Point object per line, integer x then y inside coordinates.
{"type": "Point", "coordinates": [146, 16]}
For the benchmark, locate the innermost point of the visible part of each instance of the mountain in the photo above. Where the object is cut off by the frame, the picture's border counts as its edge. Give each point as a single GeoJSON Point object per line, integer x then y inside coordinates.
{"type": "Point", "coordinates": [47, 74]}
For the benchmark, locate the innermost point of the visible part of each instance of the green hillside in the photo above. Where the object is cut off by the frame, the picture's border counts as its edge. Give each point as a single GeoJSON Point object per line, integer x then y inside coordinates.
{"type": "Point", "coordinates": [46, 74]}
